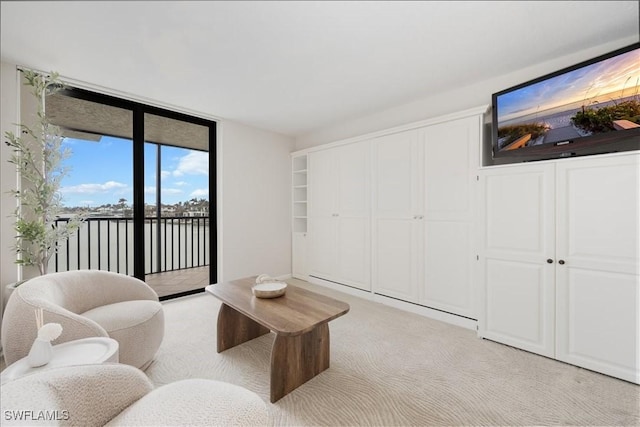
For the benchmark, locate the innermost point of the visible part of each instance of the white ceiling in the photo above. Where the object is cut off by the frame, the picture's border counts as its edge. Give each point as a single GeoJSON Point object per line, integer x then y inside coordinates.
{"type": "Point", "coordinates": [294, 67]}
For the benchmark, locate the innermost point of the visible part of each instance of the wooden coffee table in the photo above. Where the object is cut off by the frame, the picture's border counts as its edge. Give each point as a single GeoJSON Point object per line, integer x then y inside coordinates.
{"type": "Point", "coordinates": [299, 319]}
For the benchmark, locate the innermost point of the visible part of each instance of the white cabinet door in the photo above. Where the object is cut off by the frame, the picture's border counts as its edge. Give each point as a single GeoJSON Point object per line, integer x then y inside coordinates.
{"type": "Point", "coordinates": [322, 240]}
{"type": "Point", "coordinates": [353, 191]}
{"type": "Point", "coordinates": [397, 226]}
{"type": "Point", "coordinates": [451, 159]}
{"type": "Point", "coordinates": [352, 220]}
{"type": "Point", "coordinates": [598, 288]}
{"type": "Point", "coordinates": [322, 183]}
{"type": "Point", "coordinates": [518, 230]}
{"type": "Point", "coordinates": [353, 253]}
{"type": "Point", "coordinates": [322, 247]}
{"type": "Point", "coordinates": [339, 194]}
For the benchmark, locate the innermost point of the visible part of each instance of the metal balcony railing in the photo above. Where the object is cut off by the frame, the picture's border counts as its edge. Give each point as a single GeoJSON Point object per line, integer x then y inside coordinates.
{"type": "Point", "coordinates": [106, 243]}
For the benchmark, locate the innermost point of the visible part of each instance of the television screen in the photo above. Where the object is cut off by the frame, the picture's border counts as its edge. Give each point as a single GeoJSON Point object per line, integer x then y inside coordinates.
{"type": "Point", "coordinates": [592, 107]}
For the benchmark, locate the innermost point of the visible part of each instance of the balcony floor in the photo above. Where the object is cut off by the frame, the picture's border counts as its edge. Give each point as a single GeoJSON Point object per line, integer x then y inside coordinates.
{"type": "Point", "coordinates": [173, 282]}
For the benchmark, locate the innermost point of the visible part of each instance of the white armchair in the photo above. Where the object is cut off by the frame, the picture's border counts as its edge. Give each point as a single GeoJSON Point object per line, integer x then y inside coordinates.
{"type": "Point", "coordinates": [120, 395]}
{"type": "Point", "coordinates": [87, 303]}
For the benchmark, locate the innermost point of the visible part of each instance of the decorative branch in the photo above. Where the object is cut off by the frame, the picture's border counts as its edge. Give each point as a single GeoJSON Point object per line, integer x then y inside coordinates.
{"type": "Point", "coordinates": [38, 155]}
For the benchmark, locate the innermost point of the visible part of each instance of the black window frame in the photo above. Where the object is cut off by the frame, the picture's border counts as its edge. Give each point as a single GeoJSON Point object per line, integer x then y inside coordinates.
{"type": "Point", "coordinates": [139, 109]}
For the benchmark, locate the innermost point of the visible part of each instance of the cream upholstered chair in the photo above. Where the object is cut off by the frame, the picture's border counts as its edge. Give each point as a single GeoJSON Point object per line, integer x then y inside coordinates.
{"type": "Point", "coordinates": [120, 395]}
{"type": "Point", "coordinates": [87, 303]}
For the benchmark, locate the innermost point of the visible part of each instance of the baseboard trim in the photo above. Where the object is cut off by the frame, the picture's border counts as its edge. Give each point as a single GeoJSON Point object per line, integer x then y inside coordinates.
{"type": "Point", "coordinates": [442, 316]}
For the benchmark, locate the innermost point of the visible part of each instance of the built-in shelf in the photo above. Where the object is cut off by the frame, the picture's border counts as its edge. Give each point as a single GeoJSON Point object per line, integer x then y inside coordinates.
{"type": "Point", "coordinates": [299, 196]}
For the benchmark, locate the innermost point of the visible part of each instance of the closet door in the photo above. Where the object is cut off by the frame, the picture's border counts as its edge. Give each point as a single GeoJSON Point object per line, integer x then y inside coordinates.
{"type": "Point", "coordinates": [451, 159]}
{"type": "Point", "coordinates": [397, 216]}
{"type": "Point", "coordinates": [517, 261]}
{"type": "Point", "coordinates": [339, 229]}
{"type": "Point", "coordinates": [352, 220]}
{"type": "Point", "coordinates": [598, 285]}
{"type": "Point", "coordinates": [322, 214]}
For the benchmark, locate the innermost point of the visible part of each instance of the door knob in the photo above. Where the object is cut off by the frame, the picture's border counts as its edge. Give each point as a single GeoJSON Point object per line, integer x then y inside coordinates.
{"type": "Point", "coordinates": [561, 262]}
{"type": "Point", "coordinates": [549, 261]}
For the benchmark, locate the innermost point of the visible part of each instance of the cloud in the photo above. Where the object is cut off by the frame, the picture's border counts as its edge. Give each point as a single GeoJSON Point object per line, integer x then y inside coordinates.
{"type": "Point", "coordinates": [165, 174]}
{"type": "Point", "coordinates": [181, 183]}
{"type": "Point", "coordinates": [194, 163]}
{"type": "Point", "coordinates": [201, 193]}
{"type": "Point", "coordinates": [107, 187]}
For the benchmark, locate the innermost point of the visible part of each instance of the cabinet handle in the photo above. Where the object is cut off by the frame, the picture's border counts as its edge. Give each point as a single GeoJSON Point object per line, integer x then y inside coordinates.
{"type": "Point", "coordinates": [561, 262]}
{"type": "Point", "coordinates": [549, 261]}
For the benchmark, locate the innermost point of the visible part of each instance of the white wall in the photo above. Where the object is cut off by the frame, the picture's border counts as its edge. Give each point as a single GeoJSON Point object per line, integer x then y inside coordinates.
{"type": "Point", "coordinates": [256, 202]}
{"type": "Point", "coordinates": [9, 117]}
{"type": "Point", "coordinates": [452, 101]}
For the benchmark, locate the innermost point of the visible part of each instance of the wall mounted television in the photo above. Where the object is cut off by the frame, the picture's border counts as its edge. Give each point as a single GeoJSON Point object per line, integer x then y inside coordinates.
{"type": "Point", "coordinates": [590, 108]}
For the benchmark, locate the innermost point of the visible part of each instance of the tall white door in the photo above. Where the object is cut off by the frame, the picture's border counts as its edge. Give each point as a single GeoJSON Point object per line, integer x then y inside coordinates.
{"type": "Point", "coordinates": [451, 161]}
{"type": "Point", "coordinates": [352, 220]}
{"type": "Point", "coordinates": [397, 216]}
{"type": "Point", "coordinates": [598, 285]}
{"type": "Point", "coordinates": [322, 236]}
{"type": "Point", "coordinates": [517, 261]}
{"type": "Point", "coordinates": [339, 229]}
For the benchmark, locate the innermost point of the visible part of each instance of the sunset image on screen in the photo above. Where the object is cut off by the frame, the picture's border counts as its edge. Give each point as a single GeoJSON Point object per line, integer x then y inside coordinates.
{"type": "Point", "coordinates": [601, 97]}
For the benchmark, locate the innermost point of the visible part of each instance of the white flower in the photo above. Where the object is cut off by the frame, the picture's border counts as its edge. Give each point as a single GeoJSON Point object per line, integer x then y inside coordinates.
{"type": "Point", "coordinates": [50, 331]}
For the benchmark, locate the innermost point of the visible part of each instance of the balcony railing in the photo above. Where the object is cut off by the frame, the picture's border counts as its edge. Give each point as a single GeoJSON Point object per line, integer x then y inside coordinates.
{"type": "Point", "coordinates": [106, 243]}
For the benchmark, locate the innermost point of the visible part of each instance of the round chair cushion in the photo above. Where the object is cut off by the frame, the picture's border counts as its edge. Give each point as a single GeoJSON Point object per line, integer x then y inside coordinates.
{"type": "Point", "coordinates": [197, 402]}
{"type": "Point", "coordinates": [137, 325]}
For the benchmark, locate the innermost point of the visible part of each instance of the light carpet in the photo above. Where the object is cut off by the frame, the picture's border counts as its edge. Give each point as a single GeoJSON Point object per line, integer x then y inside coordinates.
{"type": "Point", "coordinates": [394, 368]}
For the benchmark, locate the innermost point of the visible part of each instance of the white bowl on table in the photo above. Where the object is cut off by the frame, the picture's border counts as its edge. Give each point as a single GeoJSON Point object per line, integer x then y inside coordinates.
{"type": "Point", "coordinates": [269, 289]}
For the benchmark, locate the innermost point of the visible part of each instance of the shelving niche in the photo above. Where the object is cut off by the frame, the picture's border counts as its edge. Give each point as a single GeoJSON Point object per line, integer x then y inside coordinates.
{"type": "Point", "coordinates": [299, 212]}
{"type": "Point", "coordinates": [299, 181]}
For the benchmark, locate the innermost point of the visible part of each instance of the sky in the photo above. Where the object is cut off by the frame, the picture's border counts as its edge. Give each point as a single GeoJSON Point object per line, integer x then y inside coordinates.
{"type": "Point", "coordinates": [102, 172]}
{"type": "Point", "coordinates": [596, 80]}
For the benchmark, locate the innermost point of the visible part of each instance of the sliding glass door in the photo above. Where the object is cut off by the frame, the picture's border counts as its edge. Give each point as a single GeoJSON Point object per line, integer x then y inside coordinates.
{"type": "Point", "coordinates": [144, 177]}
{"type": "Point", "coordinates": [176, 205]}
{"type": "Point", "coordinates": [99, 184]}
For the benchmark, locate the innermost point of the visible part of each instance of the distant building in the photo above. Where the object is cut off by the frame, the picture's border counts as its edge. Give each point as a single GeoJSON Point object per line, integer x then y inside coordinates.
{"type": "Point", "coordinates": [168, 210]}
{"type": "Point", "coordinates": [194, 214]}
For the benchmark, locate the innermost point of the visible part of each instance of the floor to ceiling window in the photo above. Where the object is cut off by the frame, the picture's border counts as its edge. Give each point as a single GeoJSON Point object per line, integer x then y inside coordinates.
{"type": "Point", "coordinates": [176, 205]}
{"type": "Point", "coordinates": [144, 177]}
